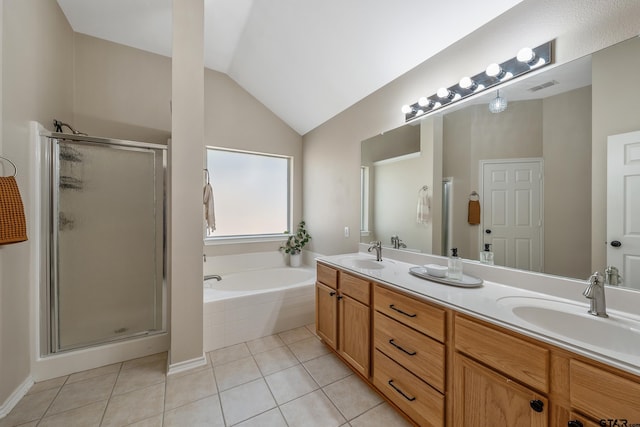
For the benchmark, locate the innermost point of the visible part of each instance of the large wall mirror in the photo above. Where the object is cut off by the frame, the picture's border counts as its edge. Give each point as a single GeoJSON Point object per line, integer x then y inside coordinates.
{"type": "Point", "coordinates": [538, 170]}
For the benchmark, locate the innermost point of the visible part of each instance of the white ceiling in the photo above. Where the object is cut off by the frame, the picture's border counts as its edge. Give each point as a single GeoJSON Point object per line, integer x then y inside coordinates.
{"type": "Point", "coordinates": [304, 60]}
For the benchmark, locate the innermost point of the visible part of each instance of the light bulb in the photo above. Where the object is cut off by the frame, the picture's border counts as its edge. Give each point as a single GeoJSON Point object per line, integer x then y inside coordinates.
{"type": "Point", "coordinates": [406, 109]}
{"type": "Point", "coordinates": [443, 92]}
{"type": "Point", "coordinates": [423, 102]}
{"type": "Point", "coordinates": [527, 55]}
{"type": "Point", "coordinates": [468, 83]}
{"type": "Point", "coordinates": [495, 70]}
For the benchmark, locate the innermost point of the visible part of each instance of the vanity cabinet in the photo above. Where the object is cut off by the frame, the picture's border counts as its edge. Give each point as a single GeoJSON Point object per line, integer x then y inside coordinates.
{"type": "Point", "coordinates": [410, 355]}
{"type": "Point", "coordinates": [343, 316]}
{"type": "Point", "coordinates": [441, 367]}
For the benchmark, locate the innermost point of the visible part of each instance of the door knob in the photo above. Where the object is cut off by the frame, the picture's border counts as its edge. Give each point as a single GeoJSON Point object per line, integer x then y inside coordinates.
{"type": "Point", "coordinates": [616, 243]}
{"type": "Point", "coordinates": [488, 231]}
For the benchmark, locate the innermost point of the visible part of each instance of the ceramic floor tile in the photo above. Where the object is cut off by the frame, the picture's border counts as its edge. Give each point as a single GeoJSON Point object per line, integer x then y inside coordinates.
{"type": "Point", "coordinates": [140, 376]}
{"type": "Point", "coordinates": [189, 388]}
{"type": "Point", "coordinates": [275, 360]}
{"type": "Point", "coordinates": [229, 354]}
{"type": "Point", "coordinates": [327, 369]}
{"type": "Point", "coordinates": [155, 421]}
{"type": "Point", "coordinates": [204, 412]}
{"type": "Point", "coordinates": [272, 418]}
{"type": "Point", "coordinates": [294, 335]}
{"type": "Point", "coordinates": [134, 406]}
{"type": "Point", "coordinates": [352, 396]}
{"type": "Point", "coordinates": [56, 383]}
{"type": "Point", "coordinates": [85, 416]}
{"type": "Point", "coordinates": [82, 393]}
{"type": "Point", "coordinates": [382, 415]}
{"type": "Point", "coordinates": [266, 343]}
{"type": "Point", "coordinates": [31, 407]}
{"type": "Point", "coordinates": [290, 384]}
{"type": "Point", "coordinates": [92, 373]}
{"type": "Point", "coordinates": [144, 360]}
{"type": "Point", "coordinates": [312, 328]}
{"type": "Point", "coordinates": [235, 373]}
{"type": "Point", "coordinates": [312, 410]}
{"type": "Point", "coordinates": [246, 401]}
{"type": "Point", "coordinates": [308, 349]}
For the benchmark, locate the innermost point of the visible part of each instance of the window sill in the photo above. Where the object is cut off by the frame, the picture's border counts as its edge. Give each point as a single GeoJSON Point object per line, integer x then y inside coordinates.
{"type": "Point", "coordinates": [234, 240]}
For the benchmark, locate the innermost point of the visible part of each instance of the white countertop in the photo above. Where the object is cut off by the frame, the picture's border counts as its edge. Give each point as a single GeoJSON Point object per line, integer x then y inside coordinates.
{"type": "Point", "coordinates": [490, 302]}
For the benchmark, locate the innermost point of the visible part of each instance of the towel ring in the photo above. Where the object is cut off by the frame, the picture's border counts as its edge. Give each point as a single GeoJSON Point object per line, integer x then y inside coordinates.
{"type": "Point", "coordinates": [15, 168]}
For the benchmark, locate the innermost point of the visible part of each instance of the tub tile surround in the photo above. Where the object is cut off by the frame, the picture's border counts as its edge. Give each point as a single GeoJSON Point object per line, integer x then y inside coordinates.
{"type": "Point", "coordinates": [500, 282]}
{"type": "Point", "coordinates": [277, 380]}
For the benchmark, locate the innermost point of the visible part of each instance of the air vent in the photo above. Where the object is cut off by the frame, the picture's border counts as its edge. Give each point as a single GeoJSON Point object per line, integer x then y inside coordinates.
{"type": "Point", "coordinates": [543, 86]}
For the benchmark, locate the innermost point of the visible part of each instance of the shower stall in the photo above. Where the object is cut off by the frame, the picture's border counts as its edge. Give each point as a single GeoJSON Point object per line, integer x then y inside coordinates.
{"type": "Point", "coordinates": [103, 257]}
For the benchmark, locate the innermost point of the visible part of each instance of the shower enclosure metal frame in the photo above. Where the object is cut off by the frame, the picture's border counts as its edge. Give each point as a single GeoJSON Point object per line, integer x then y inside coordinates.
{"type": "Point", "coordinates": [49, 162]}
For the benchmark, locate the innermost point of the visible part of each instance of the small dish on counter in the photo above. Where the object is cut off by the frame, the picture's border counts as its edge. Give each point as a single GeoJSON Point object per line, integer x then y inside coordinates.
{"type": "Point", "coordinates": [466, 282]}
{"type": "Point", "coordinates": [436, 270]}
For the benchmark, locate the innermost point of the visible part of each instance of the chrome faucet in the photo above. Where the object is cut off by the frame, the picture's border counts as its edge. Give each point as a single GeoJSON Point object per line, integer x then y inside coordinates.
{"type": "Point", "coordinates": [212, 276]}
{"type": "Point", "coordinates": [595, 294]}
{"type": "Point", "coordinates": [378, 247]}
{"type": "Point", "coordinates": [612, 276]}
{"type": "Point", "coordinates": [397, 243]}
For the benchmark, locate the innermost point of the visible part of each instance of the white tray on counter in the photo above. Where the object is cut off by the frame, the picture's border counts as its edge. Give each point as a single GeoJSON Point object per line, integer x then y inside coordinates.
{"type": "Point", "coordinates": [466, 282]}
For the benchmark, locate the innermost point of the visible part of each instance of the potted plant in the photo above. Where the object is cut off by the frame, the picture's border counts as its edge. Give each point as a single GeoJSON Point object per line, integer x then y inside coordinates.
{"type": "Point", "coordinates": [294, 244]}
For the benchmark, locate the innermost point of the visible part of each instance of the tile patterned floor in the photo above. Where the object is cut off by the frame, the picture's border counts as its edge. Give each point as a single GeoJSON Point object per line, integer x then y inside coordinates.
{"type": "Point", "coordinates": [290, 379]}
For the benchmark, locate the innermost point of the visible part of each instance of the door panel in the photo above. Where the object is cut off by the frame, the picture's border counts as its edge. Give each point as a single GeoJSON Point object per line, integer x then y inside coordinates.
{"type": "Point", "coordinates": [512, 213]}
{"type": "Point", "coordinates": [623, 206]}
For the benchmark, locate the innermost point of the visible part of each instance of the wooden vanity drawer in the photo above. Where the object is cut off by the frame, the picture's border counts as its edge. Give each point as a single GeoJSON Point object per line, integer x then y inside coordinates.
{"type": "Point", "coordinates": [419, 401]}
{"type": "Point", "coordinates": [423, 356]}
{"type": "Point", "coordinates": [416, 314]}
{"type": "Point", "coordinates": [327, 275]}
{"type": "Point", "coordinates": [512, 356]}
{"type": "Point", "coordinates": [602, 394]}
{"type": "Point", "coordinates": [355, 287]}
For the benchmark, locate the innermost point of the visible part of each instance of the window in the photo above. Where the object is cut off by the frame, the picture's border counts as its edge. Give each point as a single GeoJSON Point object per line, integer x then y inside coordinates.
{"type": "Point", "coordinates": [251, 193]}
{"type": "Point", "coordinates": [364, 200]}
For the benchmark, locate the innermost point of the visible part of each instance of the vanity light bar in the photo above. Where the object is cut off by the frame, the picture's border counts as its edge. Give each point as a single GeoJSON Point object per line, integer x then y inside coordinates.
{"type": "Point", "coordinates": [526, 60]}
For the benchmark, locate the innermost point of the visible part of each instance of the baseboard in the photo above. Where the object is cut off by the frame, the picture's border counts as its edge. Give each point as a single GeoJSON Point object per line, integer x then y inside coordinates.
{"type": "Point", "coordinates": [175, 368]}
{"type": "Point", "coordinates": [15, 397]}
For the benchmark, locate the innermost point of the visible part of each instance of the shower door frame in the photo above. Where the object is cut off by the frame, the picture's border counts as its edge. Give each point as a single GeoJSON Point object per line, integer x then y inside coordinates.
{"type": "Point", "coordinates": [49, 161]}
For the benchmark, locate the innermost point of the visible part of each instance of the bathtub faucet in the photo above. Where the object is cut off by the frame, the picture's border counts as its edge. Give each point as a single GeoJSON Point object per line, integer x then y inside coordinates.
{"type": "Point", "coordinates": [212, 276]}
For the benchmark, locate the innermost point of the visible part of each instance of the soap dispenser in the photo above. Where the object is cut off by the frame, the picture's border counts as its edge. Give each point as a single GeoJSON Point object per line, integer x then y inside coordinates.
{"type": "Point", "coordinates": [486, 256]}
{"type": "Point", "coordinates": [455, 265]}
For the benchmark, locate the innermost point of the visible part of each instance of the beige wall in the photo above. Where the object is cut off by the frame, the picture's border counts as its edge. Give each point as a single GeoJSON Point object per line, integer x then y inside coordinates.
{"type": "Point", "coordinates": [567, 189]}
{"type": "Point", "coordinates": [37, 82]}
{"type": "Point", "coordinates": [332, 151]}
{"type": "Point", "coordinates": [612, 72]}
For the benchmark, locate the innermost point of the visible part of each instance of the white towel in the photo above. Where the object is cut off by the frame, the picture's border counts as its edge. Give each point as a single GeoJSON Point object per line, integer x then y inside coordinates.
{"type": "Point", "coordinates": [209, 212]}
{"type": "Point", "coordinates": [423, 211]}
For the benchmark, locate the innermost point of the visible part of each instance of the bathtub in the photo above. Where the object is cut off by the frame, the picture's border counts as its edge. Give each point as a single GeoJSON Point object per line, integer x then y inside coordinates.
{"type": "Point", "coordinates": [250, 304]}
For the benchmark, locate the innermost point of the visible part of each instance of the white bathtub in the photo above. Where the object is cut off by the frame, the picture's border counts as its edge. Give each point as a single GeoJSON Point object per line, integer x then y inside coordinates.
{"type": "Point", "coordinates": [250, 304]}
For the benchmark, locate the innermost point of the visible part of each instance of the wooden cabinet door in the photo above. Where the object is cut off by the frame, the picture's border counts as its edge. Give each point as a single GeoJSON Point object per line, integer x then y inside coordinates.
{"type": "Point", "coordinates": [484, 398]}
{"type": "Point", "coordinates": [327, 314]}
{"type": "Point", "coordinates": [355, 332]}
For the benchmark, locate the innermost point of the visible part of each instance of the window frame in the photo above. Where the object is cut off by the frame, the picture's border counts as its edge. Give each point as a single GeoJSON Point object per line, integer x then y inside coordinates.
{"type": "Point", "coordinates": [253, 238]}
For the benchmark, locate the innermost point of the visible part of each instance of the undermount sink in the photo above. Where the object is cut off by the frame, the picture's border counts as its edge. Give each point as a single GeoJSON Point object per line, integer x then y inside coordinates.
{"type": "Point", "coordinates": [615, 333]}
{"type": "Point", "coordinates": [365, 263]}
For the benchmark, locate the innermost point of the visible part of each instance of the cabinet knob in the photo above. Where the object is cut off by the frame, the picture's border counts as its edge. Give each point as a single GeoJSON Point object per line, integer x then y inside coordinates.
{"type": "Point", "coordinates": [537, 405]}
{"type": "Point", "coordinates": [574, 423]}
{"type": "Point", "coordinates": [340, 297]}
{"type": "Point", "coordinates": [331, 294]}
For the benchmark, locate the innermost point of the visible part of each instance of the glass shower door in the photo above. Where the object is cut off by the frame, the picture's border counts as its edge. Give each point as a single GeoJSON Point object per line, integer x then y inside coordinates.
{"type": "Point", "coordinates": [107, 248]}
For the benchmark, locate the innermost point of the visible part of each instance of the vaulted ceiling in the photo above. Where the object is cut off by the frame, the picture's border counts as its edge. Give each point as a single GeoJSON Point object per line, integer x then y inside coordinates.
{"type": "Point", "coordinates": [304, 60]}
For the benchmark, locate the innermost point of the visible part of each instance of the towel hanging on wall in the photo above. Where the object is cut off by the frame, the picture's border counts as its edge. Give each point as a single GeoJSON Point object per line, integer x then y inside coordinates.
{"type": "Point", "coordinates": [423, 211]}
{"type": "Point", "coordinates": [13, 226]}
{"type": "Point", "coordinates": [474, 209]}
{"type": "Point", "coordinates": [207, 200]}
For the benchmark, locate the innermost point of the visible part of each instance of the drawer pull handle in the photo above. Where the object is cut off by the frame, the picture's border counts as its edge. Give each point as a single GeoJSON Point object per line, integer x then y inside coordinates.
{"type": "Point", "coordinates": [410, 353]}
{"type": "Point", "coordinates": [410, 399]}
{"type": "Point", "coordinates": [537, 405]}
{"type": "Point", "coordinates": [392, 307]}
